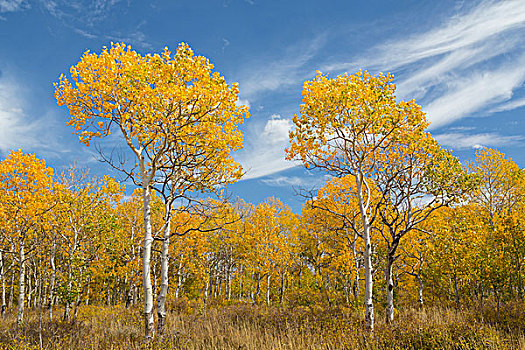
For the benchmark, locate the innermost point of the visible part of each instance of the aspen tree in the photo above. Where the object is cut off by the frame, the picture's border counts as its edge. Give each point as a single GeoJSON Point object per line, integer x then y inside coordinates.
{"type": "Point", "coordinates": [177, 116]}
{"type": "Point", "coordinates": [25, 196]}
{"type": "Point", "coordinates": [344, 127]}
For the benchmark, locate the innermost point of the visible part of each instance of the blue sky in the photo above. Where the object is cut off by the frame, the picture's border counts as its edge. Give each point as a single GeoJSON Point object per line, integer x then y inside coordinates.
{"type": "Point", "coordinates": [463, 61]}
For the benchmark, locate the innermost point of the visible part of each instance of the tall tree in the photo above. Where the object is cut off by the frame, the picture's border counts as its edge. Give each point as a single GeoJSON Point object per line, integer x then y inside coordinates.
{"type": "Point", "coordinates": [25, 196]}
{"type": "Point", "coordinates": [416, 178]}
{"type": "Point", "coordinates": [345, 127]}
{"type": "Point", "coordinates": [178, 117]}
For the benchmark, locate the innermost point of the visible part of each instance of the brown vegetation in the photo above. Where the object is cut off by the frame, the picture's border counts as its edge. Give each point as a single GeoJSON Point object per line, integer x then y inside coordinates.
{"type": "Point", "coordinates": [244, 326]}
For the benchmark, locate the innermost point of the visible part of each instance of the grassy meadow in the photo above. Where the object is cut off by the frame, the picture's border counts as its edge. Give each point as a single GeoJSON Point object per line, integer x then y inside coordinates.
{"type": "Point", "coordinates": [243, 326]}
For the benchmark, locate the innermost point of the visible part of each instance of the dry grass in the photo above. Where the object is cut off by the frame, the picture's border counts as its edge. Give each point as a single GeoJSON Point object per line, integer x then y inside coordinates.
{"type": "Point", "coordinates": [260, 328]}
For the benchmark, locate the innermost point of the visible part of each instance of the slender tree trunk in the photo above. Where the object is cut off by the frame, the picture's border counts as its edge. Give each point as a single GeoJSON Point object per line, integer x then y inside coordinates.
{"type": "Point", "coordinates": [12, 290]}
{"type": "Point", "coordinates": [347, 285]}
{"type": "Point", "coordinates": [164, 265]}
{"type": "Point", "coordinates": [28, 287]}
{"type": "Point", "coordinates": [240, 283]}
{"type": "Point", "coordinates": [420, 290]}
{"type": "Point", "coordinates": [38, 291]}
{"type": "Point", "coordinates": [179, 277]}
{"type": "Point", "coordinates": [108, 294]}
{"type": "Point", "coordinates": [268, 289]}
{"type": "Point", "coordinates": [258, 288]}
{"type": "Point", "coordinates": [389, 289]}
{"type": "Point", "coordinates": [369, 302]}
{"type": "Point", "coordinates": [205, 293]}
{"type": "Point", "coordinates": [2, 272]}
{"type": "Point", "coordinates": [80, 293]}
{"type": "Point", "coordinates": [52, 281]}
{"type": "Point", "coordinates": [40, 312]}
{"type": "Point", "coordinates": [355, 287]}
{"type": "Point", "coordinates": [129, 297]}
{"type": "Point", "coordinates": [456, 290]}
{"type": "Point", "coordinates": [149, 325]}
{"type": "Point", "coordinates": [21, 285]}
{"type": "Point", "coordinates": [229, 280]}
{"type": "Point", "coordinates": [281, 297]}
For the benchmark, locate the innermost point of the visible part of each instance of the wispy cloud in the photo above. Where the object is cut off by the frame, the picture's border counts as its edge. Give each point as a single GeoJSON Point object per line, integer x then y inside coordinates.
{"type": "Point", "coordinates": [264, 155]}
{"type": "Point", "coordinates": [284, 181]}
{"type": "Point", "coordinates": [509, 105]}
{"type": "Point", "coordinates": [21, 127]}
{"type": "Point", "coordinates": [85, 18]}
{"type": "Point", "coordinates": [271, 74]}
{"type": "Point", "coordinates": [136, 38]}
{"type": "Point", "coordinates": [15, 129]}
{"type": "Point", "coordinates": [473, 93]}
{"type": "Point", "coordinates": [13, 5]}
{"type": "Point", "coordinates": [78, 13]}
{"type": "Point", "coordinates": [305, 182]}
{"type": "Point", "coordinates": [243, 102]}
{"type": "Point", "coordinates": [460, 141]}
{"type": "Point", "coordinates": [459, 68]}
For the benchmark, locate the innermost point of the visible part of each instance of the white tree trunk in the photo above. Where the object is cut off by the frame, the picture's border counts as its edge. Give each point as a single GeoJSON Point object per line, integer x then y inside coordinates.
{"type": "Point", "coordinates": [281, 297]}
{"type": "Point", "coordinates": [355, 288]}
{"type": "Point", "coordinates": [369, 303]}
{"type": "Point", "coordinates": [146, 262]}
{"type": "Point", "coordinates": [179, 277]}
{"type": "Point", "coordinates": [3, 282]}
{"type": "Point", "coordinates": [229, 279]}
{"type": "Point", "coordinates": [420, 291]}
{"type": "Point", "coordinates": [52, 282]}
{"type": "Point", "coordinates": [164, 265]}
{"type": "Point", "coordinates": [268, 289]}
{"type": "Point", "coordinates": [21, 285]}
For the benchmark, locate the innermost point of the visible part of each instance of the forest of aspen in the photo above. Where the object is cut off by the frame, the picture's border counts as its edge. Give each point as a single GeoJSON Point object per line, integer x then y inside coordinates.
{"type": "Point", "coordinates": [403, 246]}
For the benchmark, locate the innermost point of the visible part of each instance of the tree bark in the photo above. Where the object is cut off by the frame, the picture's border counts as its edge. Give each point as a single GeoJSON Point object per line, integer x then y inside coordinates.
{"type": "Point", "coordinates": [268, 289]}
{"type": "Point", "coordinates": [179, 277]}
{"type": "Point", "coordinates": [21, 285]}
{"type": "Point", "coordinates": [164, 265]}
{"type": "Point", "coordinates": [149, 325]}
{"type": "Point", "coordinates": [2, 272]}
{"type": "Point", "coordinates": [281, 297]}
{"type": "Point", "coordinates": [420, 290]}
{"type": "Point", "coordinates": [389, 289]}
{"type": "Point", "coordinates": [456, 289]}
{"type": "Point", "coordinates": [52, 281]}
{"type": "Point", "coordinates": [369, 302]}
{"type": "Point", "coordinates": [12, 289]}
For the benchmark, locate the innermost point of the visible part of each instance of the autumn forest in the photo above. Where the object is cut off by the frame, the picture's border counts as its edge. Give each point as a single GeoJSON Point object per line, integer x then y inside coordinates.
{"type": "Point", "coordinates": [404, 246]}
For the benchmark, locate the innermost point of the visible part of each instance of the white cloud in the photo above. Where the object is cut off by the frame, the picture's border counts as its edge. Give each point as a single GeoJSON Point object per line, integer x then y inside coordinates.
{"type": "Point", "coordinates": [285, 181]}
{"type": "Point", "coordinates": [80, 14]}
{"type": "Point", "coordinates": [136, 38]}
{"type": "Point", "coordinates": [243, 102]}
{"type": "Point", "coordinates": [475, 92]}
{"type": "Point", "coordinates": [464, 141]}
{"type": "Point", "coordinates": [16, 131]}
{"type": "Point", "coordinates": [264, 155]}
{"type": "Point", "coordinates": [276, 73]}
{"type": "Point", "coordinates": [308, 182]}
{"type": "Point", "coordinates": [276, 130]}
{"type": "Point", "coordinates": [20, 128]}
{"type": "Point", "coordinates": [509, 106]}
{"type": "Point", "coordinates": [13, 5]}
{"type": "Point", "coordinates": [85, 18]}
{"type": "Point", "coordinates": [460, 67]}
{"type": "Point", "coordinates": [225, 44]}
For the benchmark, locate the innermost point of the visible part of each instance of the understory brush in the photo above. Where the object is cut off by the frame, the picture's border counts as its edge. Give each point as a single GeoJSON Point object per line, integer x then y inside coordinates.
{"type": "Point", "coordinates": [243, 326]}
